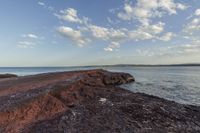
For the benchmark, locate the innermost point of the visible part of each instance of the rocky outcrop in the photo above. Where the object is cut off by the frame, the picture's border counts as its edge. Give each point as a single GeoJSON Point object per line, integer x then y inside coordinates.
{"type": "Point", "coordinates": [87, 101]}
{"type": "Point", "coordinates": [3, 76]}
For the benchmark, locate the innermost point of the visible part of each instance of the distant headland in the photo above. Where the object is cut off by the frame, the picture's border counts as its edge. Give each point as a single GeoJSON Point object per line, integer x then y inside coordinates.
{"type": "Point", "coordinates": [146, 65]}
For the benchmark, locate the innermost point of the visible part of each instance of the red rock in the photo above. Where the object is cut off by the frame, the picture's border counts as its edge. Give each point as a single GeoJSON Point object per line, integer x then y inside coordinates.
{"type": "Point", "coordinates": [88, 102]}
{"type": "Point", "coordinates": [29, 99]}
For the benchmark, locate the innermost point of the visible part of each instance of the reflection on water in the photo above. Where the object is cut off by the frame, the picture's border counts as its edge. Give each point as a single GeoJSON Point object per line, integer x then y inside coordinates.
{"type": "Point", "coordinates": [180, 84]}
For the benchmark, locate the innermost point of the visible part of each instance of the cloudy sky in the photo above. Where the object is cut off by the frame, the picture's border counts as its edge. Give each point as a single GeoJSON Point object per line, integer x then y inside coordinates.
{"type": "Point", "coordinates": [95, 32]}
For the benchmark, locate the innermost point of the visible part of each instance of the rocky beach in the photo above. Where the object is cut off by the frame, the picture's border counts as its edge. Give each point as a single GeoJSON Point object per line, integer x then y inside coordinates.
{"type": "Point", "coordinates": [87, 102]}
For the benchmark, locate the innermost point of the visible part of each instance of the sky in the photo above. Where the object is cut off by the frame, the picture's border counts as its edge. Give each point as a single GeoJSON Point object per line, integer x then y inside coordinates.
{"type": "Point", "coordinates": [99, 32]}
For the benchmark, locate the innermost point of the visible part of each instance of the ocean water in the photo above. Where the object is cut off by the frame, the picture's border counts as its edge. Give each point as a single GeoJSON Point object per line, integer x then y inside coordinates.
{"type": "Point", "coordinates": [180, 84]}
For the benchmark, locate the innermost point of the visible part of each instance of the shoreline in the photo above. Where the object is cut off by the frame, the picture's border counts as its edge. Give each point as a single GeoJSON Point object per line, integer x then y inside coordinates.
{"type": "Point", "coordinates": [88, 101]}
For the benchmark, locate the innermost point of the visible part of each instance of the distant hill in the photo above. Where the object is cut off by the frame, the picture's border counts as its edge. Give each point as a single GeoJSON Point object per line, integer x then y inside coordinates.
{"type": "Point", "coordinates": [157, 65]}
{"type": "Point", "coordinates": [144, 65]}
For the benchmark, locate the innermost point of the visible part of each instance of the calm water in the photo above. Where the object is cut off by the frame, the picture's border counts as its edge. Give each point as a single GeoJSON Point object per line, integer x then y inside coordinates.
{"type": "Point", "coordinates": [180, 84]}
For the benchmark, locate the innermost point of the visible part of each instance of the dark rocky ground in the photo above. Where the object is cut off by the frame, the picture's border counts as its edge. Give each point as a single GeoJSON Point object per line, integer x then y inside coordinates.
{"type": "Point", "coordinates": [7, 76]}
{"type": "Point", "coordinates": [88, 102]}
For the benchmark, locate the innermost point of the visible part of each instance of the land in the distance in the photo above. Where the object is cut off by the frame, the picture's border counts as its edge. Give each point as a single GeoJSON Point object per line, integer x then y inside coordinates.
{"type": "Point", "coordinates": [146, 65]}
{"type": "Point", "coordinates": [117, 65]}
{"type": "Point", "coordinates": [87, 102]}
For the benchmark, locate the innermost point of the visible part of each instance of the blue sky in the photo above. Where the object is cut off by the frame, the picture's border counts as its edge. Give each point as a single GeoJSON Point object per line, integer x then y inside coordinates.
{"type": "Point", "coordinates": [99, 32]}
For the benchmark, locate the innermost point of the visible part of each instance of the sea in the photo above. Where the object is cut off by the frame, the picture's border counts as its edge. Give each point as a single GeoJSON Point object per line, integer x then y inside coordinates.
{"type": "Point", "coordinates": [176, 83]}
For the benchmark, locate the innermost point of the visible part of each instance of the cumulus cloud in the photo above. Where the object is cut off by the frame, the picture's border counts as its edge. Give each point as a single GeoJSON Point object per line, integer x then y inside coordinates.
{"type": "Point", "coordinates": [69, 15]}
{"type": "Point", "coordinates": [111, 35]}
{"type": "Point", "coordinates": [74, 35]}
{"type": "Point", "coordinates": [197, 12]}
{"type": "Point", "coordinates": [99, 32]}
{"type": "Point", "coordinates": [113, 46]}
{"type": "Point", "coordinates": [146, 32]}
{"type": "Point", "coordinates": [167, 36]}
{"type": "Point", "coordinates": [194, 24]}
{"type": "Point", "coordinates": [107, 33]}
{"type": "Point", "coordinates": [143, 10]}
{"type": "Point", "coordinates": [143, 32]}
{"type": "Point", "coordinates": [114, 36]}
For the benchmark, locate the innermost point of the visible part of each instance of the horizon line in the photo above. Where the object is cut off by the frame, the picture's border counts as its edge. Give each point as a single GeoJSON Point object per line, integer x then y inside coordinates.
{"type": "Point", "coordinates": [107, 65]}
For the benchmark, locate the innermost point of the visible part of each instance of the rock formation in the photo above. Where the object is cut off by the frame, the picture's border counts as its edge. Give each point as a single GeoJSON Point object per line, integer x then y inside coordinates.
{"type": "Point", "coordinates": [87, 102]}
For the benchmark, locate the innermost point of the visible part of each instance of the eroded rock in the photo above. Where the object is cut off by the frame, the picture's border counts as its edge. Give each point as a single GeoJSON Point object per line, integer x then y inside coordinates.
{"type": "Point", "coordinates": [88, 102]}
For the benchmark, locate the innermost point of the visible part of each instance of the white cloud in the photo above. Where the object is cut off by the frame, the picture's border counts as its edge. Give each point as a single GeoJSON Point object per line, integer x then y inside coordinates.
{"type": "Point", "coordinates": [30, 41]}
{"type": "Point", "coordinates": [197, 12]}
{"type": "Point", "coordinates": [181, 6]}
{"type": "Point", "coordinates": [69, 15]}
{"type": "Point", "coordinates": [143, 10]}
{"type": "Point", "coordinates": [41, 3]}
{"type": "Point", "coordinates": [26, 44]}
{"type": "Point", "coordinates": [154, 28]}
{"type": "Point", "coordinates": [108, 49]}
{"type": "Point", "coordinates": [113, 36]}
{"type": "Point", "coordinates": [107, 34]}
{"type": "Point", "coordinates": [99, 32]}
{"type": "Point", "coordinates": [190, 48]}
{"type": "Point", "coordinates": [145, 52]}
{"type": "Point", "coordinates": [74, 35]}
{"type": "Point", "coordinates": [111, 47]}
{"type": "Point", "coordinates": [86, 31]}
{"type": "Point", "coordinates": [146, 32]}
{"type": "Point", "coordinates": [175, 50]}
{"type": "Point", "coordinates": [140, 35]}
{"type": "Point", "coordinates": [192, 26]}
{"type": "Point", "coordinates": [32, 36]}
{"type": "Point", "coordinates": [167, 36]}
{"type": "Point", "coordinates": [49, 8]}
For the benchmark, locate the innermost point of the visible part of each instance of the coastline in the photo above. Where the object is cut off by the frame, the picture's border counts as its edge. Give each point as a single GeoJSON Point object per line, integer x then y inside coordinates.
{"type": "Point", "coordinates": [88, 101]}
